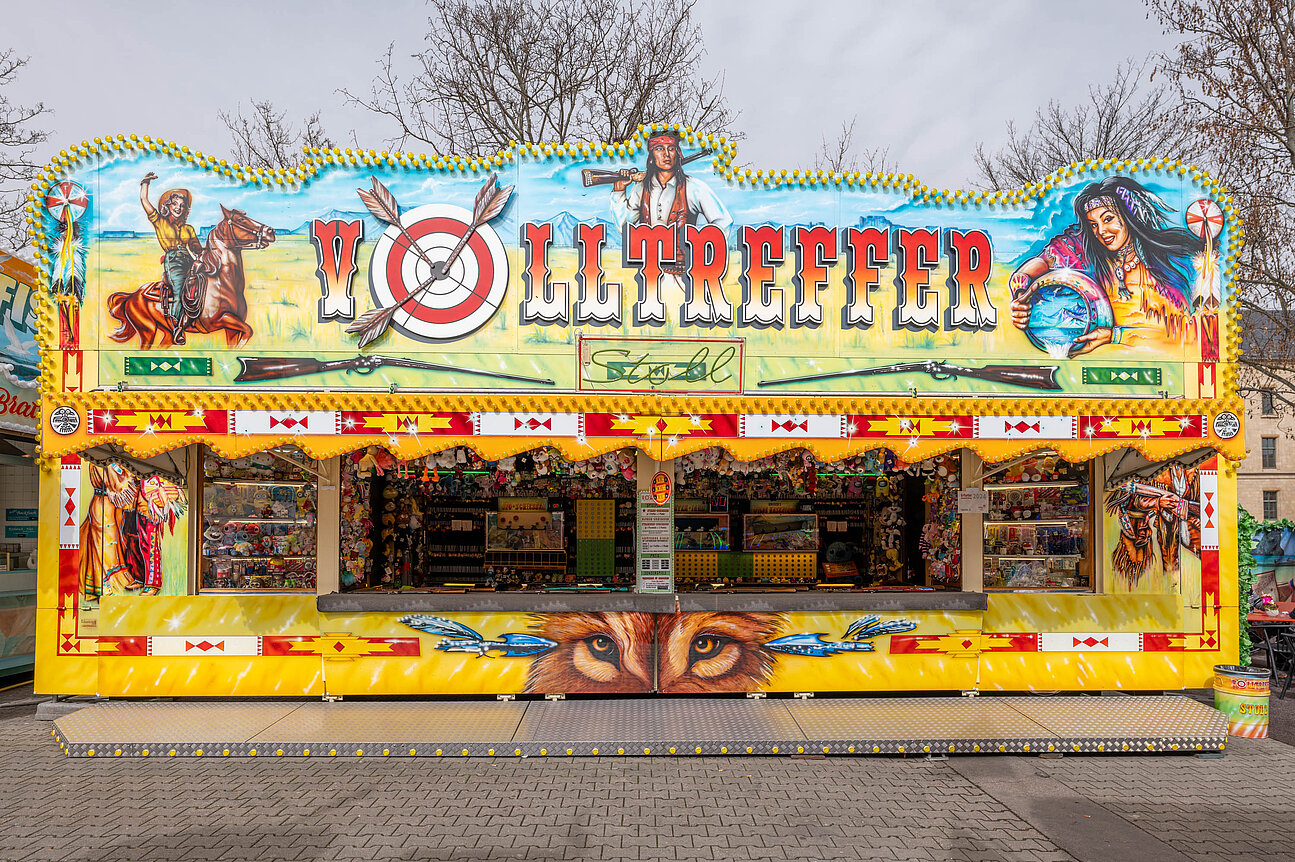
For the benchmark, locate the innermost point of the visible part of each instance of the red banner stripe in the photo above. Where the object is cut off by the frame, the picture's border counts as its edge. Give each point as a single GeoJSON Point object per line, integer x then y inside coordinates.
{"type": "Point", "coordinates": [111, 647]}
{"type": "Point", "coordinates": [901, 427]}
{"type": "Point", "coordinates": [403, 422]}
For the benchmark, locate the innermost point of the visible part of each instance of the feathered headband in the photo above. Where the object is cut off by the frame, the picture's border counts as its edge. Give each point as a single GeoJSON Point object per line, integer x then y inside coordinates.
{"type": "Point", "coordinates": [1142, 204]}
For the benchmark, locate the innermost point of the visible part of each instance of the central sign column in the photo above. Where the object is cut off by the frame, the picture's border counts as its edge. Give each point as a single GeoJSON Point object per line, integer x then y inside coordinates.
{"type": "Point", "coordinates": [654, 526]}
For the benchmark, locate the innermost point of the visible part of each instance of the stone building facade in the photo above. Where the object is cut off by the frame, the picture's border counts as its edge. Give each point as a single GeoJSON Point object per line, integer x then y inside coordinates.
{"type": "Point", "coordinates": [1266, 480]}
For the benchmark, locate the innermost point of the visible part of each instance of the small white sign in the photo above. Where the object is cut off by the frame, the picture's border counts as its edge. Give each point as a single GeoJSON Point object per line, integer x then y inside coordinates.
{"type": "Point", "coordinates": [973, 501]}
{"type": "Point", "coordinates": [1227, 425]}
{"type": "Point", "coordinates": [64, 420]}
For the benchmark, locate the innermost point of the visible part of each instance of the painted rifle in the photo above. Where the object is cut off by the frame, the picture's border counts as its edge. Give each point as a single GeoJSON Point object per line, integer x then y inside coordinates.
{"type": "Point", "coordinates": [596, 177]}
{"type": "Point", "coordinates": [1032, 376]}
{"type": "Point", "coordinates": [256, 368]}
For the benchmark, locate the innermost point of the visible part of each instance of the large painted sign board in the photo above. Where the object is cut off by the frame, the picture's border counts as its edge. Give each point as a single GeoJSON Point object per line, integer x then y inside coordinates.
{"type": "Point", "coordinates": [643, 270]}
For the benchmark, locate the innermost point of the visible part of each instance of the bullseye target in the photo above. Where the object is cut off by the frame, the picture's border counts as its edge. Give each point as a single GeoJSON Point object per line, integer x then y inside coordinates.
{"type": "Point", "coordinates": [455, 305]}
{"type": "Point", "coordinates": [1204, 217]}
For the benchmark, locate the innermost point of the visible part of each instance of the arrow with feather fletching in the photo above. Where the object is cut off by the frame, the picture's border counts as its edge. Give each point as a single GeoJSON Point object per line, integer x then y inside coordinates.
{"type": "Point", "coordinates": [490, 202]}
{"type": "Point", "coordinates": [382, 203]}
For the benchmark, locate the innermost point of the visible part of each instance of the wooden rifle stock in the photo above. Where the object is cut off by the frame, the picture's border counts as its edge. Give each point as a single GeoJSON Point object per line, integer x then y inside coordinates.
{"type": "Point", "coordinates": [255, 368]}
{"type": "Point", "coordinates": [597, 177]}
{"type": "Point", "coordinates": [1033, 376]}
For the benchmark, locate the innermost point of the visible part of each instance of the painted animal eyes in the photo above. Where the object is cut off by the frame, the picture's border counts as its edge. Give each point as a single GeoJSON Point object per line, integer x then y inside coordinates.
{"type": "Point", "coordinates": [711, 655]}
{"type": "Point", "coordinates": [604, 648]}
{"type": "Point", "coordinates": [705, 647]}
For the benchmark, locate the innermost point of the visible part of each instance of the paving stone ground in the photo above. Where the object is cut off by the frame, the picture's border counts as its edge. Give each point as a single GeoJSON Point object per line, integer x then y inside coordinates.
{"type": "Point", "coordinates": [992, 808]}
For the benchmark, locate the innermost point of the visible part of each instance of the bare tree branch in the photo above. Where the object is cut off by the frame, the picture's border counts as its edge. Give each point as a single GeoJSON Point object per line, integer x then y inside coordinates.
{"type": "Point", "coordinates": [264, 138]}
{"type": "Point", "coordinates": [19, 141]}
{"type": "Point", "coordinates": [839, 155]}
{"type": "Point", "coordinates": [1125, 118]}
{"type": "Point", "coordinates": [1234, 72]}
{"type": "Point", "coordinates": [495, 71]}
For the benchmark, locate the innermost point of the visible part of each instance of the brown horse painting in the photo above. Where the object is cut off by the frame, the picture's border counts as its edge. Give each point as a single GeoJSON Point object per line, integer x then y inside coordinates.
{"type": "Point", "coordinates": [224, 304]}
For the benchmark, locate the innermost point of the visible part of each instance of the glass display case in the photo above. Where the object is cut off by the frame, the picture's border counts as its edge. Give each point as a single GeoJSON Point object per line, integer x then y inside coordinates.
{"type": "Point", "coordinates": [701, 531]}
{"type": "Point", "coordinates": [258, 523]}
{"type": "Point", "coordinates": [780, 532]}
{"type": "Point", "coordinates": [524, 531]}
{"type": "Point", "coordinates": [1037, 527]}
{"type": "Point", "coordinates": [525, 535]}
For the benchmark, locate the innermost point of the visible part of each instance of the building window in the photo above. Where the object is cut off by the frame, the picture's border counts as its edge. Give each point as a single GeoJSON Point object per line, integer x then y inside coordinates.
{"type": "Point", "coordinates": [1266, 405]}
{"type": "Point", "coordinates": [1270, 505]}
{"type": "Point", "coordinates": [1268, 451]}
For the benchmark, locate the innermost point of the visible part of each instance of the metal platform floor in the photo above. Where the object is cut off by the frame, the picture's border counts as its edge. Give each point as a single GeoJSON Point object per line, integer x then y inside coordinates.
{"type": "Point", "coordinates": [681, 726]}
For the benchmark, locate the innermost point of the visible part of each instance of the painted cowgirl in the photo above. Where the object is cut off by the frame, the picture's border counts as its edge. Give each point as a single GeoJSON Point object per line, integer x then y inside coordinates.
{"type": "Point", "coordinates": [1145, 266]}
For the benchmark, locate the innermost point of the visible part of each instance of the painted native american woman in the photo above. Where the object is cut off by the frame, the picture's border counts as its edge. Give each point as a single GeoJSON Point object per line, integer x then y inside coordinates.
{"type": "Point", "coordinates": [1126, 241]}
{"type": "Point", "coordinates": [121, 536]}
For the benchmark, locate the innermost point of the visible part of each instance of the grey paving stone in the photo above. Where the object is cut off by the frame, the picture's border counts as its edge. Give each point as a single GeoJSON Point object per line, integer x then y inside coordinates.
{"type": "Point", "coordinates": [608, 809]}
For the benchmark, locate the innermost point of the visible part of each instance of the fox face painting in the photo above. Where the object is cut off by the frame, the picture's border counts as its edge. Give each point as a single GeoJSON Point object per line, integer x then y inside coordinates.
{"type": "Point", "coordinates": [627, 652]}
{"type": "Point", "coordinates": [600, 653]}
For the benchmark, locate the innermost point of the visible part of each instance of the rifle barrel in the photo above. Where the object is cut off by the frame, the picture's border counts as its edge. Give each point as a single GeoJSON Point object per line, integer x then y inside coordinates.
{"type": "Point", "coordinates": [851, 372]}
{"type": "Point", "coordinates": [498, 375]}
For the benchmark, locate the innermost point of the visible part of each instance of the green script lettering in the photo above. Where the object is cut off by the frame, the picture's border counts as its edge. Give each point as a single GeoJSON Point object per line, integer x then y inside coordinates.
{"type": "Point", "coordinates": [619, 365]}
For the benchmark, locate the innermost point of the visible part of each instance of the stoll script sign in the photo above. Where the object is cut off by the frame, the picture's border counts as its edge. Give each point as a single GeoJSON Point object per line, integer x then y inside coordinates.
{"type": "Point", "coordinates": [711, 365]}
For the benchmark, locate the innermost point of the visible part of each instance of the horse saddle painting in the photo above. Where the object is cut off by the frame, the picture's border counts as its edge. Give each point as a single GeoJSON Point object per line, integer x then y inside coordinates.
{"type": "Point", "coordinates": [195, 288]}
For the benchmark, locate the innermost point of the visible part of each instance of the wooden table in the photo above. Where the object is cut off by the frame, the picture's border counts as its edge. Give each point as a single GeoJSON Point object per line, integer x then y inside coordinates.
{"type": "Point", "coordinates": [1271, 627]}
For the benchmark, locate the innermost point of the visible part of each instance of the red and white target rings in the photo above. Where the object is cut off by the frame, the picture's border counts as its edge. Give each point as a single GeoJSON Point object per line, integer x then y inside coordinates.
{"type": "Point", "coordinates": [456, 305]}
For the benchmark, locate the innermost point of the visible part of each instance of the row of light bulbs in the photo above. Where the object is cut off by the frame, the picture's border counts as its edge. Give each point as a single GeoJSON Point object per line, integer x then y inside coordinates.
{"type": "Point", "coordinates": [320, 448]}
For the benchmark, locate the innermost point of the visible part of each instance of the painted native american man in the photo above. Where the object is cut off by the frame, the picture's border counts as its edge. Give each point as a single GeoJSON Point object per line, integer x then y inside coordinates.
{"type": "Point", "coordinates": [662, 194]}
{"type": "Point", "coordinates": [1151, 515]}
{"type": "Point", "coordinates": [121, 536]}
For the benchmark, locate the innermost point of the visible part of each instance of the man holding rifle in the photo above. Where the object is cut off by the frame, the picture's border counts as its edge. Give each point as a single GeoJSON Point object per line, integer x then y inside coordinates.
{"type": "Point", "coordinates": [662, 194]}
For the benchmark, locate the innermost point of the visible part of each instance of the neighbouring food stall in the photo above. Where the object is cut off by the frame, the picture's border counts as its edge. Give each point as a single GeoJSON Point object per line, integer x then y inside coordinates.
{"type": "Point", "coordinates": [624, 418]}
{"type": "Point", "coordinates": [18, 474]}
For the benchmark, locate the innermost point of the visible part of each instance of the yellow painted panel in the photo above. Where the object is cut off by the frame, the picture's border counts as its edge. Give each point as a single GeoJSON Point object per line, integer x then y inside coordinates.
{"type": "Point", "coordinates": [1198, 667]}
{"type": "Point", "coordinates": [1061, 612]}
{"type": "Point", "coordinates": [431, 671]}
{"type": "Point", "coordinates": [208, 615]}
{"type": "Point", "coordinates": [261, 676]}
{"type": "Point", "coordinates": [62, 674]}
{"type": "Point", "coordinates": [1080, 671]}
{"type": "Point", "coordinates": [880, 670]}
{"type": "Point", "coordinates": [595, 519]}
{"type": "Point", "coordinates": [785, 565]}
{"type": "Point", "coordinates": [47, 540]}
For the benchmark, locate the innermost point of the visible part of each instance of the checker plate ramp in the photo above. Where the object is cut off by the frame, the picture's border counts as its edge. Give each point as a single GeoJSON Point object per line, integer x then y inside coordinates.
{"type": "Point", "coordinates": [655, 727]}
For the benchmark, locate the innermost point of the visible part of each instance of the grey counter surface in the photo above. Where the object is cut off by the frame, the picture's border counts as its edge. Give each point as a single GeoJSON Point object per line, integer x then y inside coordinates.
{"type": "Point", "coordinates": [541, 603]}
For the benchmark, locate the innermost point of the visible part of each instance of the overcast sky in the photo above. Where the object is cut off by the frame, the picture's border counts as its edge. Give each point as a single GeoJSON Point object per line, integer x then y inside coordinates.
{"type": "Point", "coordinates": [927, 79]}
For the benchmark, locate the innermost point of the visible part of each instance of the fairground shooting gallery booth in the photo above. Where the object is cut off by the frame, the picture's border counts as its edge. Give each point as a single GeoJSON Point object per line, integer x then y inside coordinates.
{"type": "Point", "coordinates": [621, 418]}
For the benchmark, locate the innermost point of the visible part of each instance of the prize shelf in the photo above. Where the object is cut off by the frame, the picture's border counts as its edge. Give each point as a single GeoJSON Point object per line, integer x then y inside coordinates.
{"type": "Point", "coordinates": [258, 556]}
{"type": "Point", "coordinates": [252, 519]}
{"type": "Point", "coordinates": [1004, 566]}
{"type": "Point", "coordinates": [212, 480]}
